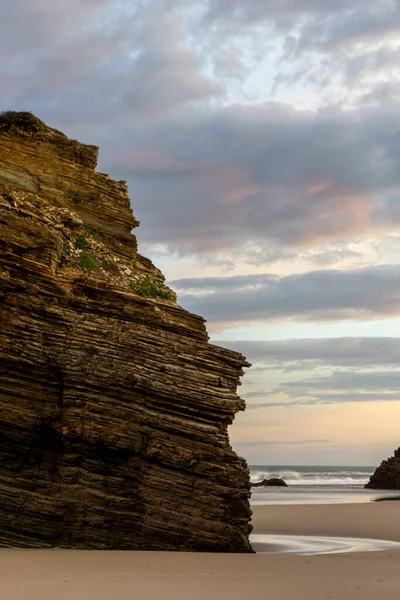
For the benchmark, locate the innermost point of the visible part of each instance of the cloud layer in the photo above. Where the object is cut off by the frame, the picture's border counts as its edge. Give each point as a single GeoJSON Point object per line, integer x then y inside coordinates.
{"type": "Point", "coordinates": [372, 292]}
{"type": "Point", "coordinates": [210, 171]}
{"type": "Point", "coordinates": [309, 354]}
{"type": "Point", "coordinates": [320, 372]}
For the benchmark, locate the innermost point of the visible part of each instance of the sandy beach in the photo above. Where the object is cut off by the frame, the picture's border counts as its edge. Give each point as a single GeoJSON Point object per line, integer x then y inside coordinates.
{"type": "Point", "coordinates": [96, 575]}
{"type": "Point", "coordinates": [380, 520]}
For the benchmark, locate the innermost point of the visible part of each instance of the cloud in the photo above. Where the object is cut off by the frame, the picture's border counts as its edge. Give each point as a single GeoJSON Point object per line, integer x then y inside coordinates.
{"type": "Point", "coordinates": [339, 387]}
{"type": "Point", "coordinates": [306, 354]}
{"type": "Point", "coordinates": [345, 370]}
{"type": "Point", "coordinates": [350, 254]}
{"type": "Point", "coordinates": [104, 60]}
{"type": "Point", "coordinates": [353, 388]}
{"type": "Point", "coordinates": [371, 292]}
{"type": "Point", "coordinates": [240, 175]}
{"type": "Point", "coordinates": [371, 63]}
{"type": "Point", "coordinates": [340, 50]}
{"type": "Point", "coordinates": [209, 171]}
{"type": "Point", "coordinates": [314, 23]}
{"type": "Point", "coordinates": [379, 382]}
{"type": "Point", "coordinates": [322, 399]}
{"type": "Point", "coordinates": [233, 283]}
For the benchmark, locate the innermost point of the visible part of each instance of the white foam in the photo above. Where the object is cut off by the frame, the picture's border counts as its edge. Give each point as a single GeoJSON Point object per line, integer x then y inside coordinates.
{"type": "Point", "coordinates": [311, 478]}
{"type": "Point", "coordinates": [307, 545]}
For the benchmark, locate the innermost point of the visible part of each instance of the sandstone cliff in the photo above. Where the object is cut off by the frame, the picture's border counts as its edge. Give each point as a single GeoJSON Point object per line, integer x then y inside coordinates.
{"type": "Point", "coordinates": [387, 475]}
{"type": "Point", "coordinates": [114, 407]}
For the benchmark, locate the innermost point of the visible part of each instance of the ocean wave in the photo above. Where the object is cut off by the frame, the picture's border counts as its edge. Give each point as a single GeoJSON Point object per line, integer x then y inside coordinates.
{"type": "Point", "coordinates": [317, 478]}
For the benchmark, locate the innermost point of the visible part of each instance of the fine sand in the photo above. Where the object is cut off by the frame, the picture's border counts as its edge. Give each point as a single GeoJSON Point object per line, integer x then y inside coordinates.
{"type": "Point", "coordinates": [380, 520]}
{"type": "Point", "coordinates": [80, 575]}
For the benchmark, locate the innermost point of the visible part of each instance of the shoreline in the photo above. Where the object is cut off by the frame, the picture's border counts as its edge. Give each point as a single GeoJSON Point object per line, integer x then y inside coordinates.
{"type": "Point", "coordinates": [378, 520]}
{"type": "Point", "coordinates": [123, 575]}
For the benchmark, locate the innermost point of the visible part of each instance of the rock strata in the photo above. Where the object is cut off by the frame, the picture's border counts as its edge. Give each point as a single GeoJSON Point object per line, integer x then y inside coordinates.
{"type": "Point", "coordinates": [387, 475]}
{"type": "Point", "coordinates": [114, 406]}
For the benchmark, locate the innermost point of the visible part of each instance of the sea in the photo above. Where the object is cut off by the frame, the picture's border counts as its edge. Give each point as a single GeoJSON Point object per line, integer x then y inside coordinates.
{"type": "Point", "coordinates": [315, 485]}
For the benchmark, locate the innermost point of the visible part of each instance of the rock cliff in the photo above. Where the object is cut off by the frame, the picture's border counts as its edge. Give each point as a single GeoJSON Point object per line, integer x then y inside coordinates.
{"type": "Point", "coordinates": [387, 475]}
{"type": "Point", "coordinates": [114, 407]}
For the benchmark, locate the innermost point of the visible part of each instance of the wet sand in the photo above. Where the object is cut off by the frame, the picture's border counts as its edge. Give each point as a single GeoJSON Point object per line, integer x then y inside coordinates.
{"type": "Point", "coordinates": [380, 520]}
{"type": "Point", "coordinates": [80, 575]}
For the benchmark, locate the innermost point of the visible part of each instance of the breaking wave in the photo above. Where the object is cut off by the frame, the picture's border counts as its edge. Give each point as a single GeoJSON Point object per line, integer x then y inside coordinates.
{"type": "Point", "coordinates": [313, 476]}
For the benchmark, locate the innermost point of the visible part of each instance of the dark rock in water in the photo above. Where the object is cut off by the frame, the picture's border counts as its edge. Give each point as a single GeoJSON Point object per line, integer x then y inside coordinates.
{"type": "Point", "coordinates": [114, 407]}
{"type": "Point", "coordinates": [273, 482]}
{"type": "Point", "coordinates": [387, 475]}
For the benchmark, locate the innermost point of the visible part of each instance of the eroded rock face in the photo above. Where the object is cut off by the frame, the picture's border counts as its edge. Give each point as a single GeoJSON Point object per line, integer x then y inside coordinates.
{"type": "Point", "coordinates": [114, 407]}
{"type": "Point", "coordinates": [387, 475]}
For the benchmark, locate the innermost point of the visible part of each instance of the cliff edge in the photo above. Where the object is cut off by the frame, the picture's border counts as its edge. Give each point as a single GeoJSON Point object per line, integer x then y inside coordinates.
{"type": "Point", "coordinates": [114, 407]}
{"type": "Point", "coordinates": [387, 475]}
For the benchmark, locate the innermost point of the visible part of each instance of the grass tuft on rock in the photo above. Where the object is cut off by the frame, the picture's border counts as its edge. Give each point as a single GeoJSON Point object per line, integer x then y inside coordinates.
{"type": "Point", "coordinates": [89, 262]}
{"type": "Point", "coordinates": [81, 243]}
{"type": "Point", "coordinates": [110, 266]}
{"type": "Point", "coordinates": [76, 196]}
{"type": "Point", "coordinates": [92, 233]}
{"type": "Point", "coordinates": [150, 288]}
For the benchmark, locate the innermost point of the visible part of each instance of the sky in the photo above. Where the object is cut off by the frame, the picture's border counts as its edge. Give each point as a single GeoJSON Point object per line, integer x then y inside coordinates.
{"type": "Point", "coordinates": [261, 144]}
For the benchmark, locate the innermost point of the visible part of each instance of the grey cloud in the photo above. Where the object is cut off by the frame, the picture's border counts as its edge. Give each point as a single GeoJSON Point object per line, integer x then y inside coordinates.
{"type": "Point", "coordinates": [351, 26]}
{"type": "Point", "coordinates": [100, 58]}
{"type": "Point", "coordinates": [315, 23]}
{"type": "Point", "coordinates": [324, 42]}
{"type": "Point", "coordinates": [234, 283]}
{"type": "Point", "coordinates": [281, 12]}
{"type": "Point", "coordinates": [374, 61]}
{"type": "Point", "coordinates": [229, 64]}
{"type": "Point", "coordinates": [267, 254]}
{"type": "Point", "coordinates": [365, 370]}
{"type": "Point", "coordinates": [376, 381]}
{"type": "Point", "coordinates": [330, 257]}
{"type": "Point", "coordinates": [338, 388]}
{"type": "Point", "coordinates": [224, 264]}
{"type": "Point", "coordinates": [340, 398]}
{"type": "Point", "coordinates": [305, 354]}
{"type": "Point", "coordinates": [383, 93]}
{"type": "Point", "coordinates": [330, 254]}
{"type": "Point", "coordinates": [371, 292]}
{"type": "Point", "coordinates": [203, 178]}
{"type": "Point", "coordinates": [242, 174]}
{"type": "Point", "coordinates": [327, 399]}
{"type": "Point", "coordinates": [169, 73]}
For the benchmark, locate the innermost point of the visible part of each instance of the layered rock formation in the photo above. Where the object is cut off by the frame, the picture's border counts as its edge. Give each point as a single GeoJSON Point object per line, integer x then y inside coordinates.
{"type": "Point", "coordinates": [114, 407]}
{"type": "Point", "coordinates": [387, 475]}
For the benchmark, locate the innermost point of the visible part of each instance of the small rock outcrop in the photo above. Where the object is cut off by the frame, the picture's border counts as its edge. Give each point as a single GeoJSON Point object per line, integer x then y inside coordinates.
{"type": "Point", "coordinates": [114, 406]}
{"type": "Point", "coordinates": [387, 475]}
{"type": "Point", "coordinates": [272, 482]}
